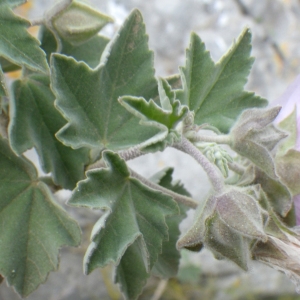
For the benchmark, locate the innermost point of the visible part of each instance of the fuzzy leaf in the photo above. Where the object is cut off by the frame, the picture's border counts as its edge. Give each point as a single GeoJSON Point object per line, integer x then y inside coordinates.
{"type": "Point", "coordinates": [242, 213]}
{"type": "Point", "coordinates": [277, 193]}
{"type": "Point", "coordinates": [78, 22]}
{"type": "Point", "coordinates": [133, 214]}
{"type": "Point", "coordinates": [3, 90]}
{"type": "Point", "coordinates": [215, 91]}
{"type": "Point", "coordinates": [131, 273]}
{"type": "Point", "coordinates": [168, 261]}
{"type": "Point", "coordinates": [34, 122]}
{"type": "Point", "coordinates": [150, 111]}
{"type": "Point", "coordinates": [287, 167]}
{"type": "Point", "coordinates": [33, 226]}
{"type": "Point", "coordinates": [289, 124]}
{"type": "Point", "coordinates": [253, 136]}
{"type": "Point", "coordinates": [194, 237]}
{"type": "Point", "coordinates": [225, 242]}
{"type": "Point", "coordinates": [88, 99]}
{"type": "Point", "coordinates": [17, 45]}
{"type": "Point", "coordinates": [90, 51]}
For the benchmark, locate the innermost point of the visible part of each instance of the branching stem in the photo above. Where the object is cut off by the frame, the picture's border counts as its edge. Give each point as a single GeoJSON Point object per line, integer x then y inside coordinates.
{"type": "Point", "coordinates": [177, 197]}
{"type": "Point", "coordinates": [211, 170]}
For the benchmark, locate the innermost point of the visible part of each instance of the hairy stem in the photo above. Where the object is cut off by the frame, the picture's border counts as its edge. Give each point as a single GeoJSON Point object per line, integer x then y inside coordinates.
{"type": "Point", "coordinates": [127, 154]}
{"type": "Point", "coordinates": [236, 168]}
{"type": "Point", "coordinates": [37, 22]}
{"type": "Point", "coordinates": [211, 170]}
{"type": "Point", "coordinates": [177, 197]}
{"type": "Point", "coordinates": [218, 139]}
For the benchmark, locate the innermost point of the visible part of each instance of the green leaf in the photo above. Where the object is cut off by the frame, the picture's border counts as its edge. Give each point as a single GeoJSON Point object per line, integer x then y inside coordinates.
{"type": "Point", "coordinates": [225, 242]}
{"type": "Point", "coordinates": [7, 66]}
{"type": "Point", "coordinates": [168, 261]}
{"type": "Point", "coordinates": [48, 41]}
{"type": "Point", "coordinates": [254, 136]}
{"type": "Point", "coordinates": [287, 167]}
{"type": "Point", "coordinates": [3, 90]}
{"type": "Point", "coordinates": [241, 212]}
{"type": "Point", "coordinates": [289, 124]}
{"type": "Point", "coordinates": [193, 239]}
{"type": "Point", "coordinates": [88, 99]}
{"type": "Point", "coordinates": [78, 22]}
{"type": "Point", "coordinates": [131, 273]}
{"type": "Point", "coordinates": [12, 3]}
{"type": "Point", "coordinates": [90, 51]}
{"type": "Point", "coordinates": [277, 193]}
{"type": "Point", "coordinates": [17, 45]}
{"type": "Point", "coordinates": [174, 81]}
{"type": "Point", "coordinates": [133, 213]}
{"type": "Point", "coordinates": [150, 111]}
{"type": "Point", "coordinates": [215, 91]}
{"type": "Point", "coordinates": [33, 226]}
{"type": "Point", "coordinates": [34, 122]}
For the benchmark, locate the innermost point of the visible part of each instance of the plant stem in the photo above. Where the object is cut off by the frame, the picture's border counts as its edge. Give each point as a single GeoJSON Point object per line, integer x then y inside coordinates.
{"type": "Point", "coordinates": [160, 289]}
{"type": "Point", "coordinates": [211, 170]}
{"type": "Point", "coordinates": [218, 139]}
{"type": "Point", "coordinates": [177, 197]}
{"type": "Point", "coordinates": [37, 22]}
{"type": "Point", "coordinates": [127, 154]}
{"type": "Point", "coordinates": [236, 168]}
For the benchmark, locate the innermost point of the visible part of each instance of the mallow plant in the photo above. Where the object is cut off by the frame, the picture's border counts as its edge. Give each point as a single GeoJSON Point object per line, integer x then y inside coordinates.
{"type": "Point", "coordinates": [88, 104]}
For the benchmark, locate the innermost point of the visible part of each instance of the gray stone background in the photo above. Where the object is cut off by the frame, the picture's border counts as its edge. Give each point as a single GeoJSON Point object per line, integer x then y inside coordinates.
{"type": "Point", "coordinates": [275, 26]}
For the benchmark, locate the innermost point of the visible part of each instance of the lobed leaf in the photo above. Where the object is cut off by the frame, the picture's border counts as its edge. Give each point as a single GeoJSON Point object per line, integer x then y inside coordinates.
{"type": "Point", "coordinates": [168, 261]}
{"type": "Point", "coordinates": [33, 226]}
{"type": "Point", "coordinates": [88, 99]}
{"type": "Point", "coordinates": [34, 122]}
{"type": "Point", "coordinates": [134, 219]}
{"type": "Point", "coordinates": [215, 91]}
{"type": "Point", "coordinates": [17, 45]}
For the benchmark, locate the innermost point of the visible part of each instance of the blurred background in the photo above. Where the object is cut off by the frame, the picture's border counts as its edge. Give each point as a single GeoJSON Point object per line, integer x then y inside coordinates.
{"type": "Point", "coordinates": [275, 27]}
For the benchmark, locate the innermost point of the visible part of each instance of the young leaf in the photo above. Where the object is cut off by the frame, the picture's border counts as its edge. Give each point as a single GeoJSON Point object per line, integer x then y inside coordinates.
{"type": "Point", "coordinates": [169, 114]}
{"type": "Point", "coordinates": [34, 122]}
{"type": "Point", "coordinates": [77, 22]}
{"type": "Point", "coordinates": [17, 45]}
{"type": "Point", "coordinates": [133, 213]}
{"type": "Point", "coordinates": [33, 227]}
{"type": "Point", "coordinates": [215, 91]}
{"type": "Point", "coordinates": [277, 193]}
{"type": "Point", "coordinates": [287, 167]}
{"type": "Point", "coordinates": [254, 136]}
{"type": "Point", "coordinates": [225, 242]}
{"type": "Point", "coordinates": [241, 212]}
{"type": "Point", "coordinates": [88, 99]}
